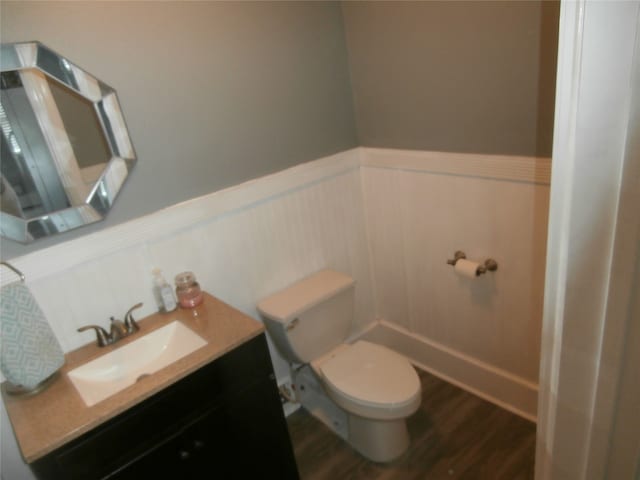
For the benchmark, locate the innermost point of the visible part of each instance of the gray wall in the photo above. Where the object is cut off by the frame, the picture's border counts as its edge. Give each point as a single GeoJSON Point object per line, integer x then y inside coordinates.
{"type": "Point", "coordinates": [213, 93]}
{"type": "Point", "coordinates": [218, 93]}
{"type": "Point", "coordinates": [454, 76]}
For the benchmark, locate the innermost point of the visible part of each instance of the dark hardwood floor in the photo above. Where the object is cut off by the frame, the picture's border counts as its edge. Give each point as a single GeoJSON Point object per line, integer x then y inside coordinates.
{"type": "Point", "coordinates": [454, 435]}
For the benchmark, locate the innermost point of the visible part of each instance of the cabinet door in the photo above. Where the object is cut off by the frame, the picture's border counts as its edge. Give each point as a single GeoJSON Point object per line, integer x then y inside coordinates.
{"type": "Point", "coordinates": [251, 433]}
{"type": "Point", "coordinates": [180, 456]}
{"type": "Point", "coordinates": [245, 437]}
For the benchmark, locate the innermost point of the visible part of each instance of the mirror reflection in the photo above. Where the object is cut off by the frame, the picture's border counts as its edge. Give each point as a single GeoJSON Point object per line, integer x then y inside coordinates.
{"type": "Point", "coordinates": [65, 148]}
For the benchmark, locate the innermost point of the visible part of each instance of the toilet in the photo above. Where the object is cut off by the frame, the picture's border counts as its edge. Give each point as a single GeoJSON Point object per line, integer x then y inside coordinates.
{"type": "Point", "coordinates": [377, 388]}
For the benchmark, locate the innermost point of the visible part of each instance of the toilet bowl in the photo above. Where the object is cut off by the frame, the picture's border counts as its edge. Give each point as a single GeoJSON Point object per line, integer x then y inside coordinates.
{"type": "Point", "coordinates": [377, 387]}
{"type": "Point", "coordinates": [370, 380]}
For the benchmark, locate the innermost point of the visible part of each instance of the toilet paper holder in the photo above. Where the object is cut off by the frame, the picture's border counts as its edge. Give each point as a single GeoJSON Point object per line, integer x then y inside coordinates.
{"type": "Point", "coordinates": [490, 265]}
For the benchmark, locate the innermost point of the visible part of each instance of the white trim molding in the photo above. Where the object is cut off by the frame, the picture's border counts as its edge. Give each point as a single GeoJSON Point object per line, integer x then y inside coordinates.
{"type": "Point", "coordinates": [502, 388]}
{"type": "Point", "coordinates": [589, 289]}
{"type": "Point", "coordinates": [500, 167]}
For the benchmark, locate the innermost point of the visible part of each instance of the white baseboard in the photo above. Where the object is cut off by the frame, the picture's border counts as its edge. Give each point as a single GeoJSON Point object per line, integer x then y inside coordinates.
{"type": "Point", "coordinates": [502, 388]}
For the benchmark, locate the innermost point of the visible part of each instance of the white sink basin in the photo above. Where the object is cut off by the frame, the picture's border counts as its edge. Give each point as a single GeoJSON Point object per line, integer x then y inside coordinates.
{"type": "Point", "coordinates": [116, 370]}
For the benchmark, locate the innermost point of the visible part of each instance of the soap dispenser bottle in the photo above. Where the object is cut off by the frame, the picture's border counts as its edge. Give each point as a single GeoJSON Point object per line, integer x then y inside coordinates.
{"type": "Point", "coordinates": [163, 292]}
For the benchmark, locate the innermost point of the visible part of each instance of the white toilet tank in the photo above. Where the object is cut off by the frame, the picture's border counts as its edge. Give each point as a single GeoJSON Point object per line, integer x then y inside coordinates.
{"type": "Point", "coordinates": [310, 317]}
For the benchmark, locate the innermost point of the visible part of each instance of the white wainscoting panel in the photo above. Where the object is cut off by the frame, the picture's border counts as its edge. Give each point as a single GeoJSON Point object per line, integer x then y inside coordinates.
{"type": "Point", "coordinates": [420, 210]}
{"type": "Point", "coordinates": [179, 217]}
{"type": "Point", "coordinates": [389, 218]}
{"type": "Point", "coordinates": [243, 244]}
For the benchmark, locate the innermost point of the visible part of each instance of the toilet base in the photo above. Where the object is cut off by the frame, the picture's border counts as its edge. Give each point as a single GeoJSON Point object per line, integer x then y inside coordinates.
{"type": "Point", "coordinates": [314, 400]}
{"type": "Point", "coordinates": [378, 440]}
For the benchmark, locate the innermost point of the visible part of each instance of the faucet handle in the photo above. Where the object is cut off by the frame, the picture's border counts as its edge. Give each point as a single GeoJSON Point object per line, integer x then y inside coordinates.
{"type": "Point", "coordinates": [103, 338]}
{"type": "Point", "coordinates": [129, 322]}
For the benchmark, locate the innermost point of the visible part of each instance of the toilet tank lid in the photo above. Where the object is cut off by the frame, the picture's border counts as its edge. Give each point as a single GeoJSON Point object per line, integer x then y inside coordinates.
{"type": "Point", "coordinates": [287, 304]}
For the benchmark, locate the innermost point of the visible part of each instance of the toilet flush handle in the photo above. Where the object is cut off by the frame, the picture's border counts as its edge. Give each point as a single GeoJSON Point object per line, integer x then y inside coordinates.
{"type": "Point", "coordinates": [292, 324]}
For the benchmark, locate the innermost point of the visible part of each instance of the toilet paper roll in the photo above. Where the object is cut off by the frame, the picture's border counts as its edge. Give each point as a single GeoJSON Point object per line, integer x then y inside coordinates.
{"type": "Point", "coordinates": [466, 268]}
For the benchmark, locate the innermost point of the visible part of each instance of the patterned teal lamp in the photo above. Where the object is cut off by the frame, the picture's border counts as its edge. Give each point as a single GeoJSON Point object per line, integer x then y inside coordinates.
{"type": "Point", "coordinates": [30, 354]}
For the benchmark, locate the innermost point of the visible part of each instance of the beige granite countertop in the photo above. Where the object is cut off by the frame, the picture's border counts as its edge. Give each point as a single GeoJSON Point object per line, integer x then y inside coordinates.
{"type": "Point", "coordinates": [48, 420]}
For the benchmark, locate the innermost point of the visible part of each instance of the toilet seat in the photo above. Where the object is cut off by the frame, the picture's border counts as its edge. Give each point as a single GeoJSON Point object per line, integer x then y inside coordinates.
{"type": "Point", "coordinates": [370, 380]}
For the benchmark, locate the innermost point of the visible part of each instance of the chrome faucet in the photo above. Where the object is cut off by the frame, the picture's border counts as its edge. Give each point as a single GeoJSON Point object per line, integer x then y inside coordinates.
{"type": "Point", "coordinates": [118, 329]}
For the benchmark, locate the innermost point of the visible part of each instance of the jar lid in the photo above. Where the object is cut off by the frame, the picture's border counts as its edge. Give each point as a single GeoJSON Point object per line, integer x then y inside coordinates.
{"type": "Point", "coordinates": [185, 279]}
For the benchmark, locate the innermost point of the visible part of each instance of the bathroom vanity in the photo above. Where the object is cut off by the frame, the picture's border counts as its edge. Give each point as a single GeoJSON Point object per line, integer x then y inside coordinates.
{"type": "Point", "coordinates": [215, 413]}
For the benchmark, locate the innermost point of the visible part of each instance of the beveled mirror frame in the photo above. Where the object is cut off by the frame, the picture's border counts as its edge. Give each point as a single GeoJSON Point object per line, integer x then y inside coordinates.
{"type": "Point", "coordinates": [91, 202]}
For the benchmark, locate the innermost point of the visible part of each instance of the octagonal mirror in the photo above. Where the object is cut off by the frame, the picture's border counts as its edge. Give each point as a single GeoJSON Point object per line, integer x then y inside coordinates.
{"type": "Point", "coordinates": [66, 151]}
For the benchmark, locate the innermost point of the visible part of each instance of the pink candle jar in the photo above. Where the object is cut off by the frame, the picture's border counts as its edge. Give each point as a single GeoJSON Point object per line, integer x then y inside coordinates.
{"type": "Point", "coordinates": [188, 290]}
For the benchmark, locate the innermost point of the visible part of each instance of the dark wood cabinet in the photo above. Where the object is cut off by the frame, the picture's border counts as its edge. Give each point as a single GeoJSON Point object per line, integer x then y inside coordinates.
{"type": "Point", "coordinates": [223, 421]}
